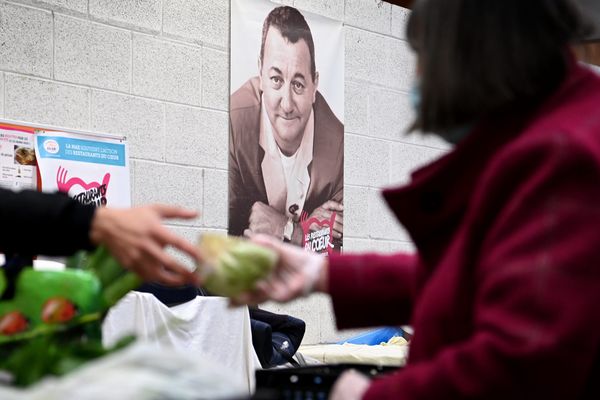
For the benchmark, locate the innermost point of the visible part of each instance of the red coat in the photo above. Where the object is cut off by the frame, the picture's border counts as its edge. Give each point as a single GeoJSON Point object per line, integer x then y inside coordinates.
{"type": "Point", "coordinates": [504, 292]}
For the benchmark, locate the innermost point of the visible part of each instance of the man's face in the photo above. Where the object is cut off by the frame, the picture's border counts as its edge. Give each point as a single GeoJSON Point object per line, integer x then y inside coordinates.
{"type": "Point", "coordinates": [288, 88]}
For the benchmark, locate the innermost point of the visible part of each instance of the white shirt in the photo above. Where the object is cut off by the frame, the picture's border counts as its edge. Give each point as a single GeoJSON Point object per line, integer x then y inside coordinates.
{"type": "Point", "coordinates": [286, 178]}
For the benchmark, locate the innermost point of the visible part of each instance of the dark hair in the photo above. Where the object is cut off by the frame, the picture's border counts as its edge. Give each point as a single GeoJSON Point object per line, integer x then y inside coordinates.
{"type": "Point", "coordinates": [293, 27]}
{"type": "Point", "coordinates": [481, 57]}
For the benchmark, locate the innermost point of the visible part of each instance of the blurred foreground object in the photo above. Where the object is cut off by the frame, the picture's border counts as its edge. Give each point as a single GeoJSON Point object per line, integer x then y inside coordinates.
{"type": "Point", "coordinates": [140, 372]}
{"type": "Point", "coordinates": [233, 265]}
{"type": "Point", "coordinates": [50, 320]}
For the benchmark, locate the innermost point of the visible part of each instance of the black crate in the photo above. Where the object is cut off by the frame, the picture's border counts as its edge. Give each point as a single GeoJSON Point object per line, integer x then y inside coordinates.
{"type": "Point", "coordinates": [306, 383]}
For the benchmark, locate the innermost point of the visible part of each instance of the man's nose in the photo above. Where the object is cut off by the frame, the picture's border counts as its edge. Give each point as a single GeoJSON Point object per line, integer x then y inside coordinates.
{"type": "Point", "coordinates": [287, 102]}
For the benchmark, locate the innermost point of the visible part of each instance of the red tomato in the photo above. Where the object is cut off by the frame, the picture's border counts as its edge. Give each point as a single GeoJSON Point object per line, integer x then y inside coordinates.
{"type": "Point", "coordinates": [13, 322]}
{"type": "Point", "coordinates": [57, 310]}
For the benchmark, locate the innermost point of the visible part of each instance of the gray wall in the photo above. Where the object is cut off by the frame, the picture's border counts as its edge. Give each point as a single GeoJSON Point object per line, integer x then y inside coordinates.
{"type": "Point", "coordinates": [157, 72]}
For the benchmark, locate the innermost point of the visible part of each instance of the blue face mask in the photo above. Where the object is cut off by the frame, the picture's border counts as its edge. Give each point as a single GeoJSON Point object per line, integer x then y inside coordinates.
{"type": "Point", "coordinates": [415, 95]}
{"type": "Point", "coordinates": [453, 135]}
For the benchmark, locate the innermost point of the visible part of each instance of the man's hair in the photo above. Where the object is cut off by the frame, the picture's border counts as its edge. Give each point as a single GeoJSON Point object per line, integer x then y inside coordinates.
{"type": "Point", "coordinates": [478, 58]}
{"type": "Point", "coordinates": [293, 27]}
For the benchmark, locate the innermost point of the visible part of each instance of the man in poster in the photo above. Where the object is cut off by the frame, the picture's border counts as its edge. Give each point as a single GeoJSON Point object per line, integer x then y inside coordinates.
{"type": "Point", "coordinates": [286, 144]}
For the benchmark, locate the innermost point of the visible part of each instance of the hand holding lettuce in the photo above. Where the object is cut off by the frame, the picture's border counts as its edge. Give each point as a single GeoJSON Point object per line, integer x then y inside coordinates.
{"type": "Point", "coordinates": [233, 265]}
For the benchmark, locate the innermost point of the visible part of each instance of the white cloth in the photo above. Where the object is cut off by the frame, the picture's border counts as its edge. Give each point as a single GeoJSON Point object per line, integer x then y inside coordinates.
{"type": "Point", "coordinates": [286, 186]}
{"type": "Point", "coordinates": [205, 327]}
{"type": "Point", "coordinates": [139, 371]}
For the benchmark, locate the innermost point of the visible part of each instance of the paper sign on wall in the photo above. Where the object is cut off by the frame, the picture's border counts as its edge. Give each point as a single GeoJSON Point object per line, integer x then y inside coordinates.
{"type": "Point", "coordinates": [92, 170]}
{"type": "Point", "coordinates": [17, 158]}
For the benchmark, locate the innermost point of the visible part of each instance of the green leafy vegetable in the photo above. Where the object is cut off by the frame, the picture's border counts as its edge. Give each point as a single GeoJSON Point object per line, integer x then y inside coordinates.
{"type": "Point", "coordinates": [233, 265]}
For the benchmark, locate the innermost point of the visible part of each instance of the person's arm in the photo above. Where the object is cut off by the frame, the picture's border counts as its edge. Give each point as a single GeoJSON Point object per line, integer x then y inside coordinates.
{"type": "Point", "coordinates": [299, 272]}
{"type": "Point", "coordinates": [536, 323]}
{"type": "Point", "coordinates": [137, 238]}
{"type": "Point", "coordinates": [35, 223]}
{"type": "Point", "coordinates": [371, 289]}
{"type": "Point", "coordinates": [43, 223]}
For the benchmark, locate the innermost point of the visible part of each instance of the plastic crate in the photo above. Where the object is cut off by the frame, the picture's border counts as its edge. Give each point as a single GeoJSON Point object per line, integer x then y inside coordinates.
{"type": "Point", "coordinates": [306, 383]}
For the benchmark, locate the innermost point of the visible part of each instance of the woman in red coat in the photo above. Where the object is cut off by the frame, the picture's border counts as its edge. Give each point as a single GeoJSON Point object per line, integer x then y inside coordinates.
{"type": "Point", "coordinates": [504, 289]}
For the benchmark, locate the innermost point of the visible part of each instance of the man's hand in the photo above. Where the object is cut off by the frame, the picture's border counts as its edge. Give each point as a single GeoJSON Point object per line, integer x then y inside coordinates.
{"type": "Point", "coordinates": [137, 239]}
{"type": "Point", "coordinates": [324, 213]}
{"type": "Point", "coordinates": [265, 219]}
{"type": "Point", "coordinates": [351, 385]}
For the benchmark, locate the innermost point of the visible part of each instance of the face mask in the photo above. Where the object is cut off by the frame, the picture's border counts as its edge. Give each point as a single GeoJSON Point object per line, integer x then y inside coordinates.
{"type": "Point", "coordinates": [415, 95]}
{"type": "Point", "coordinates": [453, 135]}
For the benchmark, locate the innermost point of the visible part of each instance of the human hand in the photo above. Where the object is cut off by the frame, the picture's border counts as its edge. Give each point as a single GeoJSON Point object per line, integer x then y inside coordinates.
{"type": "Point", "coordinates": [324, 212]}
{"type": "Point", "coordinates": [137, 239]}
{"type": "Point", "coordinates": [351, 385]}
{"type": "Point", "coordinates": [298, 272]}
{"type": "Point", "coordinates": [267, 220]}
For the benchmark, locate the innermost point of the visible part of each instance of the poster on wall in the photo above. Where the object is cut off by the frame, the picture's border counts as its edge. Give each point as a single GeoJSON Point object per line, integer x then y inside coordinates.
{"type": "Point", "coordinates": [17, 158]}
{"type": "Point", "coordinates": [286, 143]}
{"type": "Point", "coordinates": [90, 169]}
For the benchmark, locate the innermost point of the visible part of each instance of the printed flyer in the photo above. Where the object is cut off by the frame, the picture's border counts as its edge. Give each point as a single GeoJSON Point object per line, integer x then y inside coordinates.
{"type": "Point", "coordinates": [91, 169]}
{"type": "Point", "coordinates": [17, 158]}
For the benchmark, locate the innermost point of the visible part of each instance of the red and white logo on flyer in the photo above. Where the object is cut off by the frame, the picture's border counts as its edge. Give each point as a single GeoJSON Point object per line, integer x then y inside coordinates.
{"type": "Point", "coordinates": [85, 192]}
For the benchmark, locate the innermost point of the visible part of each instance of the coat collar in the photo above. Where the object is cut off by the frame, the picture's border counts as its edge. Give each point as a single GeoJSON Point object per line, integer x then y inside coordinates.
{"type": "Point", "coordinates": [434, 203]}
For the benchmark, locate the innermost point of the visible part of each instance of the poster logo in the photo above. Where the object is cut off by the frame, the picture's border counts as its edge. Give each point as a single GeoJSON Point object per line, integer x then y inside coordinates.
{"type": "Point", "coordinates": [51, 146]}
{"type": "Point", "coordinates": [318, 234]}
{"type": "Point", "coordinates": [93, 193]}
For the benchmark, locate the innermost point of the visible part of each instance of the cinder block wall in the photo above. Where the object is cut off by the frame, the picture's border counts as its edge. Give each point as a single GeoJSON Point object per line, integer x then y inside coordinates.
{"type": "Point", "coordinates": [157, 71]}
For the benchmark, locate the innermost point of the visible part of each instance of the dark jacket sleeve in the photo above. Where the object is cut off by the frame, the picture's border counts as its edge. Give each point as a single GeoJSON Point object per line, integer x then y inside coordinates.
{"type": "Point", "coordinates": [34, 223]}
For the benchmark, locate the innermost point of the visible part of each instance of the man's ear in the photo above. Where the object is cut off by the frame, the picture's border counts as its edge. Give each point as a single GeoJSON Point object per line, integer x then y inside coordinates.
{"type": "Point", "coordinates": [316, 86]}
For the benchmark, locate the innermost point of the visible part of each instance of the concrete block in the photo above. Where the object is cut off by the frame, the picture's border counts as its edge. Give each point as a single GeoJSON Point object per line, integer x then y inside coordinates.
{"type": "Point", "coordinates": [384, 224]}
{"type": "Point", "coordinates": [141, 120]}
{"type": "Point", "coordinates": [215, 79]}
{"type": "Point", "coordinates": [356, 221]}
{"type": "Point", "coordinates": [356, 107]}
{"type": "Point", "coordinates": [2, 94]}
{"type": "Point", "coordinates": [406, 247]}
{"type": "Point", "coordinates": [400, 17]}
{"type": "Point", "coordinates": [328, 8]}
{"type": "Point", "coordinates": [202, 21]}
{"type": "Point", "coordinates": [73, 7]}
{"type": "Point", "coordinates": [196, 137]}
{"type": "Point", "coordinates": [426, 139]}
{"type": "Point", "coordinates": [26, 40]}
{"type": "Point", "coordinates": [167, 71]}
{"type": "Point", "coordinates": [92, 54]}
{"type": "Point", "coordinates": [356, 245]}
{"type": "Point", "coordinates": [390, 114]}
{"type": "Point", "coordinates": [191, 235]}
{"type": "Point", "coordinates": [215, 198]}
{"type": "Point", "coordinates": [380, 246]}
{"type": "Point", "coordinates": [169, 184]}
{"type": "Point", "coordinates": [143, 15]}
{"type": "Point", "coordinates": [373, 15]}
{"type": "Point", "coordinates": [405, 158]}
{"type": "Point", "coordinates": [366, 56]}
{"type": "Point", "coordinates": [366, 161]}
{"type": "Point", "coordinates": [44, 102]}
{"type": "Point", "coordinates": [400, 64]}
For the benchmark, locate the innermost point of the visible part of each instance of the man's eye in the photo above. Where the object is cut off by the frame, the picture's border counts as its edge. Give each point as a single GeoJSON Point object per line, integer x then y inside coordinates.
{"type": "Point", "coordinates": [276, 80]}
{"type": "Point", "coordinates": [298, 87]}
